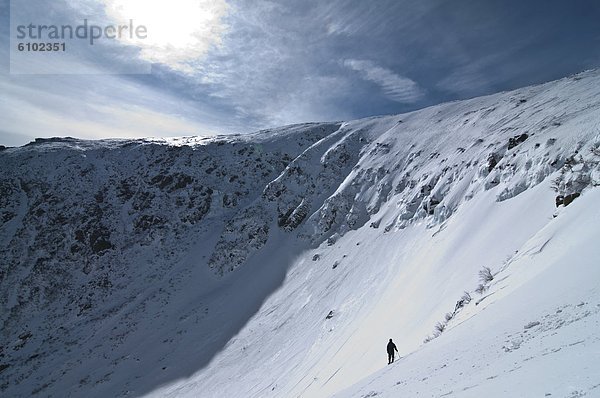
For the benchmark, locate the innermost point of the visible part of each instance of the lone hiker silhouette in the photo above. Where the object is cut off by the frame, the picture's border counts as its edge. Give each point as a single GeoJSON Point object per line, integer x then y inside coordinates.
{"type": "Point", "coordinates": [390, 349]}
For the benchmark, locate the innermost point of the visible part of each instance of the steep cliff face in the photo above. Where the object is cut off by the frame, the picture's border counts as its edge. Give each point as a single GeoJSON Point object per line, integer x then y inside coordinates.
{"type": "Point", "coordinates": [103, 241]}
{"type": "Point", "coordinates": [89, 227]}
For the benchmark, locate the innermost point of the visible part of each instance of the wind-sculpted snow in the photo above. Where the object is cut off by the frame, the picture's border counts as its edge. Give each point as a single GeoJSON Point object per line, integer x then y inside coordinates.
{"type": "Point", "coordinates": [112, 243]}
{"type": "Point", "coordinates": [442, 156]}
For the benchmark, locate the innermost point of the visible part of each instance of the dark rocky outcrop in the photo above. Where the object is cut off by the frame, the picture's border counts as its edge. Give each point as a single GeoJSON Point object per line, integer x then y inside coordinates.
{"type": "Point", "coordinates": [516, 140]}
{"type": "Point", "coordinates": [566, 199]}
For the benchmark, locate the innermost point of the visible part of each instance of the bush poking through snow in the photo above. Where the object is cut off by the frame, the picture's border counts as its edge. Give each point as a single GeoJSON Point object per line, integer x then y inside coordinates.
{"type": "Point", "coordinates": [481, 288]}
{"type": "Point", "coordinates": [464, 300]}
{"type": "Point", "coordinates": [440, 327]}
{"type": "Point", "coordinates": [485, 275]}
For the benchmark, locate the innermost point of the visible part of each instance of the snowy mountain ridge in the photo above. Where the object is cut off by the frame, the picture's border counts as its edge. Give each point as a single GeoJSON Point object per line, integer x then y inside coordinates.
{"type": "Point", "coordinates": [164, 267]}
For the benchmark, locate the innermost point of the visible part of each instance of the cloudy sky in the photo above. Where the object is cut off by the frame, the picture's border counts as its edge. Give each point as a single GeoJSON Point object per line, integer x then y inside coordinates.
{"type": "Point", "coordinates": [228, 66]}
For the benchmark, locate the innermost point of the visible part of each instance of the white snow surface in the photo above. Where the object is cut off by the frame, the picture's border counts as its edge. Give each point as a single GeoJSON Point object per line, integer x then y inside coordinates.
{"type": "Point", "coordinates": [279, 264]}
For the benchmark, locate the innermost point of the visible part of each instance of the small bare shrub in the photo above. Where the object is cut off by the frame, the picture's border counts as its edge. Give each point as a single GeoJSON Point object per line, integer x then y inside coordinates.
{"type": "Point", "coordinates": [466, 298]}
{"type": "Point", "coordinates": [448, 316]}
{"type": "Point", "coordinates": [481, 288]}
{"type": "Point", "coordinates": [485, 275]}
{"type": "Point", "coordinates": [439, 327]}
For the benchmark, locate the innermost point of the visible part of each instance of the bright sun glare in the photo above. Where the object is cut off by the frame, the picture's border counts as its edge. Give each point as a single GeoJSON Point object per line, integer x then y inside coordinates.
{"type": "Point", "coordinates": [179, 31]}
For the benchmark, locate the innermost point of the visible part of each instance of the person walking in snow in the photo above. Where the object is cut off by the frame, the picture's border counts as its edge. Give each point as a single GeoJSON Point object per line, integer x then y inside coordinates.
{"type": "Point", "coordinates": [391, 347]}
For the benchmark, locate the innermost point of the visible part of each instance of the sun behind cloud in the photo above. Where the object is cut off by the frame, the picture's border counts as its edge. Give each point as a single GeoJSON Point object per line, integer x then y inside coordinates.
{"type": "Point", "coordinates": [178, 32]}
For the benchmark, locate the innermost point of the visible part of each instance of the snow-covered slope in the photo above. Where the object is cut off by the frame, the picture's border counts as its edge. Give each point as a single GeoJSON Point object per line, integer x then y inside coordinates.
{"type": "Point", "coordinates": [280, 263]}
